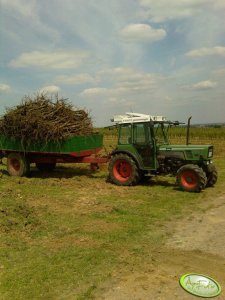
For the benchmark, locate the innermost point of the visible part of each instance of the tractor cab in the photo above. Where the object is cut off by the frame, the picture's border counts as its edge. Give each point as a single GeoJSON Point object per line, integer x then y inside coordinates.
{"type": "Point", "coordinates": [141, 136]}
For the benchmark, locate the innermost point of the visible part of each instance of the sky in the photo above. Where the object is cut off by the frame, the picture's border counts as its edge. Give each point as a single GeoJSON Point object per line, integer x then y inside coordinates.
{"type": "Point", "coordinates": [115, 56]}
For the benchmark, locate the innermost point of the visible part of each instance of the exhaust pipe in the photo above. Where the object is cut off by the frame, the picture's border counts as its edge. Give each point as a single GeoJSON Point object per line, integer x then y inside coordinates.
{"type": "Point", "coordinates": [188, 131]}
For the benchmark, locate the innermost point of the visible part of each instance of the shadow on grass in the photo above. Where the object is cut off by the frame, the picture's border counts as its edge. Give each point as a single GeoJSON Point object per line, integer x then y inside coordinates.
{"type": "Point", "coordinates": [59, 172]}
{"type": "Point", "coordinates": [158, 182]}
{"type": "Point", "coordinates": [163, 182]}
{"type": "Point", "coordinates": [3, 172]}
{"type": "Point", "coordinates": [64, 172]}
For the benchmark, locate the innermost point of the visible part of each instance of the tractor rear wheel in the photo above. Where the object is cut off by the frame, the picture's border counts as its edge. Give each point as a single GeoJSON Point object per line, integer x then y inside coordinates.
{"type": "Point", "coordinates": [211, 174]}
{"type": "Point", "coordinates": [17, 165]}
{"type": "Point", "coordinates": [191, 178]}
{"type": "Point", "coordinates": [123, 170]}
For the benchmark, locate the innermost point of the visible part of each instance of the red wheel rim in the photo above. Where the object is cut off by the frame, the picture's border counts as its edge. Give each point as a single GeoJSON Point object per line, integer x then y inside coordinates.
{"type": "Point", "coordinates": [15, 163]}
{"type": "Point", "coordinates": [189, 179]}
{"type": "Point", "coordinates": [122, 170]}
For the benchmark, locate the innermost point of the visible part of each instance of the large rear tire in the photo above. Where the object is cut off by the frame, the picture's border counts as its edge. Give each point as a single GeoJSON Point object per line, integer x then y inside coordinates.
{"type": "Point", "coordinates": [17, 165]}
{"type": "Point", "coordinates": [191, 178]}
{"type": "Point", "coordinates": [123, 170]}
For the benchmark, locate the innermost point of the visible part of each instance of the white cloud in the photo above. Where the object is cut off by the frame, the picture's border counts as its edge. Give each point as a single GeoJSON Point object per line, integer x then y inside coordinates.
{"type": "Point", "coordinates": [95, 92]}
{"type": "Point", "coordinates": [201, 52]}
{"type": "Point", "coordinates": [125, 82]}
{"type": "Point", "coordinates": [162, 10]}
{"type": "Point", "coordinates": [205, 85]}
{"type": "Point", "coordinates": [142, 33]}
{"type": "Point", "coordinates": [220, 71]}
{"type": "Point", "coordinates": [50, 89]}
{"type": "Point", "coordinates": [123, 75]}
{"type": "Point", "coordinates": [27, 17]}
{"type": "Point", "coordinates": [4, 88]}
{"type": "Point", "coordinates": [22, 7]}
{"type": "Point", "coordinates": [75, 79]}
{"type": "Point", "coordinates": [53, 60]}
{"type": "Point", "coordinates": [32, 25]}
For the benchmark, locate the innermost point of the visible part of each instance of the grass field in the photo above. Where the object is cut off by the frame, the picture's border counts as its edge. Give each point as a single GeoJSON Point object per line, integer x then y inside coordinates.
{"type": "Point", "coordinates": [62, 234]}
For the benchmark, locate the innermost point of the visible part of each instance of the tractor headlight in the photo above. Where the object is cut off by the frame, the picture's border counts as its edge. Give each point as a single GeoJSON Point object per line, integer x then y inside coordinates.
{"type": "Point", "coordinates": [210, 153]}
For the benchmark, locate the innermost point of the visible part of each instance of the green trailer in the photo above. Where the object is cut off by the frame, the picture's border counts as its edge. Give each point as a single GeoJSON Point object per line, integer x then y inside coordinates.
{"type": "Point", "coordinates": [77, 149]}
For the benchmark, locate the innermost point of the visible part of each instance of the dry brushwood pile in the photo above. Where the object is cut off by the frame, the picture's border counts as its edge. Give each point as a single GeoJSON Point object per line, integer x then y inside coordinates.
{"type": "Point", "coordinates": [44, 119]}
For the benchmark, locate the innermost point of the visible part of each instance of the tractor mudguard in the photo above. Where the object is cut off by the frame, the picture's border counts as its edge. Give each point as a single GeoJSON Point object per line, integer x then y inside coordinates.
{"type": "Point", "coordinates": [130, 154]}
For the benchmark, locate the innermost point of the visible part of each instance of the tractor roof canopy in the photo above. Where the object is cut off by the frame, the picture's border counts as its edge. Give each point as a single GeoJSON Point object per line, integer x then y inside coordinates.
{"type": "Point", "coordinates": [141, 118]}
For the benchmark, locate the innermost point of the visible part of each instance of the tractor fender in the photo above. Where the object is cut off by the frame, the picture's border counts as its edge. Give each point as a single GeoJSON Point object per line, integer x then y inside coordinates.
{"type": "Point", "coordinates": [137, 161]}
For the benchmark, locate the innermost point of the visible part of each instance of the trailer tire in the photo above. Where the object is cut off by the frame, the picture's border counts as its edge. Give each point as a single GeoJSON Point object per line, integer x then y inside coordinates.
{"type": "Point", "coordinates": [17, 165]}
{"type": "Point", "coordinates": [191, 178]}
{"type": "Point", "coordinates": [123, 170]}
{"type": "Point", "coordinates": [45, 167]}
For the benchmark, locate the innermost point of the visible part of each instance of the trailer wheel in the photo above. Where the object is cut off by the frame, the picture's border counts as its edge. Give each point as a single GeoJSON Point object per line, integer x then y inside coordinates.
{"type": "Point", "coordinates": [123, 170]}
{"type": "Point", "coordinates": [17, 165]}
{"type": "Point", "coordinates": [45, 167]}
{"type": "Point", "coordinates": [191, 178]}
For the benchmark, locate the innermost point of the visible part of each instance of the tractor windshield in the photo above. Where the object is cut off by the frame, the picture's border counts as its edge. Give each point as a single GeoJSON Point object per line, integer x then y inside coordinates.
{"type": "Point", "coordinates": [161, 133]}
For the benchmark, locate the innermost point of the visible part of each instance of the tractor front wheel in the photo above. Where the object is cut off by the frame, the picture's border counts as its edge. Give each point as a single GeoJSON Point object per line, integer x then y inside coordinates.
{"type": "Point", "coordinates": [191, 178]}
{"type": "Point", "coordinates": [123, 170]}
{"type": "Point", "coordinates": [17, 165]}
{"type": "Point", "coordinates": [211, 174]}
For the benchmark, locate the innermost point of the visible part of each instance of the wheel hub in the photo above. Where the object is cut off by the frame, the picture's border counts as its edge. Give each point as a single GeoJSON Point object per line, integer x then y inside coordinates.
{"type": "Point", "coordinates": [16, 164]}
{"type": "Point", "coordinates": [189, 179]}
{"type": "Point", "coordinates": [122, 170]}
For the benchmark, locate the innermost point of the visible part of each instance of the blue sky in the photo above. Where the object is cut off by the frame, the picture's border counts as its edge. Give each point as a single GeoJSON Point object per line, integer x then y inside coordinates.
{"type": "Point", "coordinates": [112, 56]}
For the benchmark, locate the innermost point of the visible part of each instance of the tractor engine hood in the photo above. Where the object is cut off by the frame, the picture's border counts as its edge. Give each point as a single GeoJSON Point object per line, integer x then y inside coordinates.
{"type": "Point", "coordinates": [186, 152]}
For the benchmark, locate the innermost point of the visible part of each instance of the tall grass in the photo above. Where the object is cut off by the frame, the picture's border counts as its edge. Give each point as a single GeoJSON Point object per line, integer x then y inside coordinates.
{"type": "Point", "coordinates": [177, 135]}
{"type": "Point", "coordinates": [177, 132]}
{"type": "Point", "coordinates": [201, 136]}
{"type": "Point", "coordinates": [199, 132]}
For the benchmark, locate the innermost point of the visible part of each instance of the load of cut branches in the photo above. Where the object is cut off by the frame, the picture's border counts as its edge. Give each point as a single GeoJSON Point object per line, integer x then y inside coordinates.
{"type": "Point", "coordinates": [44, 118]}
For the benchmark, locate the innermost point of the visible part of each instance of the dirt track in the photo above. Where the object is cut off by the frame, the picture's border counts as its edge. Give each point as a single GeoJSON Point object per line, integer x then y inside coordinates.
{"type": "Point", "coordinates": [197, 244]}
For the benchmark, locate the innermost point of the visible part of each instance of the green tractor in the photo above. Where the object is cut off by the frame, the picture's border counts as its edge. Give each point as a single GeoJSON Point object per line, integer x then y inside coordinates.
{"type": "Point", "coordinates": [143, 150]}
